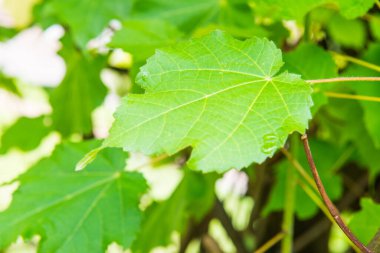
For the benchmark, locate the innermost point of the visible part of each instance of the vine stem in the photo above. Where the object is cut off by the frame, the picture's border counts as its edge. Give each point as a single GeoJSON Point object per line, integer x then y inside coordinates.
{"type": "Point", "coordinates": [353, 97]}
{"type": "Point", "coordinates": [269, 244]}
{"type": "Point", "coordinates": [357, 61]}
{"type": "Point", "coordinates": [290, 199]}
{"type": "Point", "coordinates": [344, 79]}
{"type": "Point", "coordinates": [330, 206]}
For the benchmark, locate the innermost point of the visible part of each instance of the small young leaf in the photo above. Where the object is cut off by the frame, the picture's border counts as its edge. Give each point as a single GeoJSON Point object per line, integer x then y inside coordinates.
{"type": "Point", "coordinates": [76, 211]}
{"type": "Point", "coordinates": [222, 96]}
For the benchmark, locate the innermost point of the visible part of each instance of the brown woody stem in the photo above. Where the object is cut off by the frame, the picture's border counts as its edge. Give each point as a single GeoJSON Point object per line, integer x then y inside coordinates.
{"type": "Point", "coordinates": [330, 206]}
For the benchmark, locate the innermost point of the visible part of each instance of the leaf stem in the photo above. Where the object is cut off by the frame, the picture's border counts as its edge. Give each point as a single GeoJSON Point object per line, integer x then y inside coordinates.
{"type": "Point", "coordinates": [357, 61]}
{"type": "Point", "coordinates": [330, 206]}
{"type": "Point", "coordinates": [351, 96]}
{"type": "Point", "coordinates": [270, 243]}
{"type": "Point", "coordinates": [344, 79]}
{"type": "Point", "coordinates": [290, 195]}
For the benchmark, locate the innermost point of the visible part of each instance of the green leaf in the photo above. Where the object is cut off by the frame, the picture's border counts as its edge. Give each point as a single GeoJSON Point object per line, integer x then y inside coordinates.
{"type": "Point", "coordinates": [371, 109]}
{"type": "Point", "coordinates": [76, 211]}
{"type": "Point", "coordinates": [296, 9]}
{"type": "Point", "coordinates": [374, 24]}
{"type": "Point", "coordinates": [87, 18]}
{"type": "Point", "coordinates": [347, 33]}
{"type": "Point", "coordinates": [223, 97]}
{"type": "Point", "coordinates": [8, 84]}
{"type": "Point", "coordinates": [192, 199]}
{"type": "Point", "coordinates": [185, 14]}
{"type": "Point", "coordinates": [17, 136]}
{"type": "Point", "coordinates": [312, 62]}
{"type": "Point", "coordinates": [354, 8]}
{"type": "Point", "coordinates": [366, 222]}
{"type": "Point", "coordinates": [236, 17]}
{"type": "Point", "coordinates": [142, 37]}
{"type": "Point", "coordinates": [80, 92]}
{"type": "Point", "coordinates": [286, 9]}
{"type": "Point", "coordinates": [341, 122]}
{"type": "Point", "coordinates": [326, 156]}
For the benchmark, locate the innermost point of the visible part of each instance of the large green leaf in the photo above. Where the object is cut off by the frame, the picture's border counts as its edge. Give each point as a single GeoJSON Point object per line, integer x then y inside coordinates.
{"type": "Point", "coordinates": [80, 92]}
{"type": "Point", "coordinates": [76, 211]}
{"type": "Point", "coordinates": [192, 199]}
{"type": "Point", "coordinates": [366, 222]}
{"type": "Point", "coordinates": [222, 96]}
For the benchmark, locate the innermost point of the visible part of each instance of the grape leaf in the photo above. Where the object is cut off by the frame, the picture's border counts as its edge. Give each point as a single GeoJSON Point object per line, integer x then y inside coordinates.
{"type": "Point", "coordinates": [354, 8]}
{"type": "Point", "coordinates": [222, 96]}
{"type": "Point", "coordinates": [366, 222]}
{"type": "Point", "coordinates": [86, 19]}
{"type": "Point", "coordinates": [374, 24]}
{"type": "Point", "coordinates": [287, 9]}
{"type": "Point", "coordinates": [76, 211]}
{"type": "Point", "coordinates": [16, 136]}
{"type": "Point", "coordinates": [342, 122]}
{"type": "Point", "coordinates": [295, 9]}
{"type": "Point", "coordinates": [327, 155]}
{"type": "Point", "coordinates": [80, 92]}
{"type": "Point", "coordinates": [312, 62]}
{"type": "Point", "coordinates": [347, 33]}
{"type": "Point", "coordinates": [142, 37]}
{"type": "Point", "coordinates": [192, 199]}
{"type": "Point", "coordinates": [185, 14]}
{"type": "Point", "coordinates": [371, 109]}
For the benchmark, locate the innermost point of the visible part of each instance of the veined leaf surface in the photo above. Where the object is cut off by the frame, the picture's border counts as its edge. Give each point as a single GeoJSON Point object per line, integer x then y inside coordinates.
{"type": "Point", "coordinates": [224, 97]}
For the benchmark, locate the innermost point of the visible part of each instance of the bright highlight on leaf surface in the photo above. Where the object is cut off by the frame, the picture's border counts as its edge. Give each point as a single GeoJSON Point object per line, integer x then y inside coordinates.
{"type": "Point", "coordinates": [76, 211]}
{"type": "Point", "coordinates": [221, 96]}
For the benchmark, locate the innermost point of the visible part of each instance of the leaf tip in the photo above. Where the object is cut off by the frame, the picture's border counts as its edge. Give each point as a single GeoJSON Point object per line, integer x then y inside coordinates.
{"type": "Point", "coordinates": [88, 158]}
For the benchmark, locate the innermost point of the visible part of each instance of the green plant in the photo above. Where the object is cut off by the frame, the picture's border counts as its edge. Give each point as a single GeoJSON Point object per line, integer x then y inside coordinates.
{"type": "Point", "coordinates": [208, 87]}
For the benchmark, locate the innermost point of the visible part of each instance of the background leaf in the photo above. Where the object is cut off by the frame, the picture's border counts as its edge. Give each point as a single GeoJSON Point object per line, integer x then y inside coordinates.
{"type": "Point", "coordinates": [85, 211]}
{"type": "Point", "coordinates": [16, 136]}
